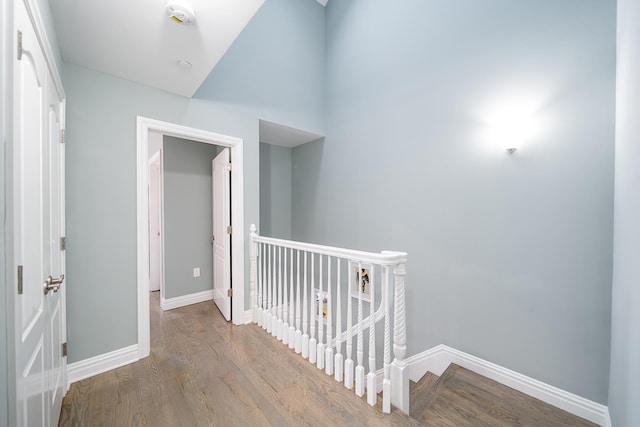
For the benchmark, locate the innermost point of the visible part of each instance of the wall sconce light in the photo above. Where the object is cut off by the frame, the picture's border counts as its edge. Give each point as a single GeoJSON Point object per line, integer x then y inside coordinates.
{"type": "Point", "coordinates": [510, 128]}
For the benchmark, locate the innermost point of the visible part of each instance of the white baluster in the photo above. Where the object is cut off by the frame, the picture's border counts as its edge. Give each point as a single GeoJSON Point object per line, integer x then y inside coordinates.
{"type": "Point", "coordinates": [298, 343]}
{"type": "Point", "coordinates": [372, 391]}
{"type": "Point", "coordinates": [360, 351]}
{"type": "Point", "coordinates": [285, 304]}
{"type": "Point", "coordinates": [399, 367]}
{"type": "Point", "coordinates": [320, 352]}
{"type": "Point", "coordinates": [274, 292]}
{"type": "Point", "coordinates": [348, 364]}
{"type": "Point", "coordinates": [328, 358]}
{"type": "Point", "coordinates": [278, 333]}
{"type": "Point", "coordinates": [292, 329]}
{"type": "Point", "coordinates": [312, 336]}
{"type": "Point", "coordinates": [267, 319]}
{"type": "Point", "coordinates": [339, 358]}
{"type": "Point", "coordinates": [386, 382]}
{"type": "Point", "coordinates": [253, 273]}
{"type": "Point", "coordinates": [305, 336]}
{"type": "Point", "coordinates": [260, 286]}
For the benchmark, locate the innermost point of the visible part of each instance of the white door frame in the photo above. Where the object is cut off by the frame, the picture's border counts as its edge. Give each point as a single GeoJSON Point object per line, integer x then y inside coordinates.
{"type": "Point", "coordinates": [144, 125]}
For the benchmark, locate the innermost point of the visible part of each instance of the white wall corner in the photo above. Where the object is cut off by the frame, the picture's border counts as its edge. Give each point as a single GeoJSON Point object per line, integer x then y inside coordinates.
{"type": "Point", "coordinates": [184, 300]}
{"type": "Point", "coordinates": [437, 359]}
{"type": "Point", "coordinates": [248, 317]}
{"type": "Point", "coordinates": [92, 366]}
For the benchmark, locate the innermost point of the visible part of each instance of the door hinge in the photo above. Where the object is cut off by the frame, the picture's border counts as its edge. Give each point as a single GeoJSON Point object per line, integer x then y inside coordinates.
{"type": "Point", "coordinates": [19, 45]}
{"type": "Point", "coordinates": [63, 243]}
{"type": "Point", "coordinates": [64, 349]}
{"type": "Point", "coordinates": [229, 292]}
{"type": "Point", "coordinates": [229, 166]}
{"type": "Point", "coordinates": [62, 139]}
{"type": "Point", "coordinates": [229, 230]}
{"type": "Point", "coordinates": [19, 280]}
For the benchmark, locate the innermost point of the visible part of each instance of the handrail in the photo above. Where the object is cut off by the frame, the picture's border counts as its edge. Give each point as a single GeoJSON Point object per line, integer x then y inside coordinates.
{"type": "Point", "coordinates": [382, 258]}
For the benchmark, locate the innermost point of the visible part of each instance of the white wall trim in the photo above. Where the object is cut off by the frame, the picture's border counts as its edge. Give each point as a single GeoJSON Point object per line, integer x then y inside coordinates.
{"type": "Point", "coordinates": [438, 358]}
{"type": "Point", "coordinates": [144, 126]}
{"type": "Point", "coordinates": [86, 368]}
{"type": "Point", "coordinates": [181, 301]}
{"type": "Point", "coordinates": [36, 19]}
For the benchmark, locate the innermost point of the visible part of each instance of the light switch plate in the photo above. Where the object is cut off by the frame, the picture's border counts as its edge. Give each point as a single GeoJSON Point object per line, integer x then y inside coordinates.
{"type": "Point", "coordinates": [196, 272]}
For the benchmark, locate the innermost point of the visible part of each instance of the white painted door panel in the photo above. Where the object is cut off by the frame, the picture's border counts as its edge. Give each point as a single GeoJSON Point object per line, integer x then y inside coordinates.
{"type": "Point", "coordinates": [29, 113]}
{"type": "Point", "coordinates": [222, 239]}
{"type": "Point", "coordinates": [39, 223]}
{"type": "Point", "coordinates": [55, 365]}
{"type": "Point", "coordinates": [155, 252]}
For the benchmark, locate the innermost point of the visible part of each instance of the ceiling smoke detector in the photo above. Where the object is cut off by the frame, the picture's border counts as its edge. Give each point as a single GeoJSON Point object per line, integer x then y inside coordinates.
{"type": "Point", "coordinates": [180, 11]}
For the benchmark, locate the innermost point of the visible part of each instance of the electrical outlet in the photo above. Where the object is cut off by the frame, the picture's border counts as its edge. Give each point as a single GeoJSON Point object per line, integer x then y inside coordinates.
{"type": "Point", "coordinates": [196, 272]}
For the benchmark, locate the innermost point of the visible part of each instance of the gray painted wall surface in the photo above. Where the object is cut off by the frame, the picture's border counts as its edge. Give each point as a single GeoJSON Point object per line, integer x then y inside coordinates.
{"type": "Point", "coordinates": [188, 216]}
{"type": "Point", "coordinates": [509, 256]}
{"type": "Point", "coordinates": [101, 144]}
{"type": "Point", "coordinates": [624, 386]}
{"type": "Point", "coordinates": [275, 191]}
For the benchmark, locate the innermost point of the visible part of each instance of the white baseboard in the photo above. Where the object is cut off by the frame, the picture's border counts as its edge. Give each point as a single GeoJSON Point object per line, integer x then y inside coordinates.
{"type": "Point", "coordinates": [437, 359]}
{"type": "Point", "coordinates": [181, 301]}
{"type": "Point", "coordinates": [78, 371]}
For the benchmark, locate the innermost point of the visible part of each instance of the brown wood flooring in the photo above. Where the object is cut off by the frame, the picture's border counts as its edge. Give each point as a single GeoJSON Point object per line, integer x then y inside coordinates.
{"type": "Point", "coordinates": [203, 371]}
{"type": "Point", "coordinates": [461, 398]}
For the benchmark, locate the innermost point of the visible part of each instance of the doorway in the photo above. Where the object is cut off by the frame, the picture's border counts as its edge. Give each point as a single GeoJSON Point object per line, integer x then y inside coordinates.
{"type": "Point", "coordinates": [235, 146]}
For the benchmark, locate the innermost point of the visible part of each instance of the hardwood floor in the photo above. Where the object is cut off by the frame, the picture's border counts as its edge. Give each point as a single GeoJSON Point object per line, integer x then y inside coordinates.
{"type": "Point", "coordinates": [461, 398]}
{"type": "Point", "coordinates": [204, 371]}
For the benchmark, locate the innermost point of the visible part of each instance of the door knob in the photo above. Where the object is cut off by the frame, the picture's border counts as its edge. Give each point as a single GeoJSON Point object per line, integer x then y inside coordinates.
{"type": "Point", "coordinates": [52, 284]}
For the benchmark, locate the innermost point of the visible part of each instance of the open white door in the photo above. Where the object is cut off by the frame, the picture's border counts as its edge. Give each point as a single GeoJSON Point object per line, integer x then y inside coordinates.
{"type": "Point", "coordinates": [155, 246]}
{"type": "Point", "coordinates": [40, 319]}
{"type": "Point", "coordinates": [221, 174]}
{"type": "Point", "coordinates": [55, 365]}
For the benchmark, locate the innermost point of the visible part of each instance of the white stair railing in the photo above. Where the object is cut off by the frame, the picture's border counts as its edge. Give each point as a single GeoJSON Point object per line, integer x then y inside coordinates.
{"type": "Point", "coordinates": [293, 289]}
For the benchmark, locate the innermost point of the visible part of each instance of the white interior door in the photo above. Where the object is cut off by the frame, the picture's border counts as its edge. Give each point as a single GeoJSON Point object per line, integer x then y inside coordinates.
{"type": "Point", "coordinates": [221, 174]}
{"type": "Point", "coordinates": [55, 335]}
{"type": "Point", "coordinates": [155, 253]}
{"type": "Point", "coordinates": [29, 81]}
{"type": "Point", "coordinates": [39, 214]}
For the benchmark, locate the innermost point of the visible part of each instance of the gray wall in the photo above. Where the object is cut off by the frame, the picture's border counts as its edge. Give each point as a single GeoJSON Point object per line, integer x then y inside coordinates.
{"type": "Point", "coordinates": [509, 256]}
{"type": "Point", "coordinates": [624, 386]}
{"type": "Point", "coordinates": [101, 144]}
{"type": "Point", "coordinates": [188, 214]}
{"type": "Point", "coordinates": [275, 191]}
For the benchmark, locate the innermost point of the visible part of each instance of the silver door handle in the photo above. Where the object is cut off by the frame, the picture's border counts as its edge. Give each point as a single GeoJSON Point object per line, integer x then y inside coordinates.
{"type": "Point", "coordinates": [52, 284]}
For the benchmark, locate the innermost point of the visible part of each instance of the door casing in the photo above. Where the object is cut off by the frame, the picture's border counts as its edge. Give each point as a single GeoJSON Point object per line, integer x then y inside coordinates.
{"type": "Point", "coordinates": [144, 126]}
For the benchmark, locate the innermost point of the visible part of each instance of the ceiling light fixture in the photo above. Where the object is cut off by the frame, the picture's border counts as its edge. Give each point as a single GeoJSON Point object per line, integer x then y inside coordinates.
{"type": "Point", "coordinates": [185, 65]}
{"type": "Point", "coordinates": [180, 11]}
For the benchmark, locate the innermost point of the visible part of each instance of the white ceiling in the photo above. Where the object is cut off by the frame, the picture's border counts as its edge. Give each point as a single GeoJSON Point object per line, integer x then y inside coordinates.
{"type": "Point", "coordinates": [136, 40]}
{"type": "Point", "coordinates": [284, 136]}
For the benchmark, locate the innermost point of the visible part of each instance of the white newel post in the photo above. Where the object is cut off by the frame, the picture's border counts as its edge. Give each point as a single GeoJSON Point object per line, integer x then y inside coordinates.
{"type": "Point", "coordinates": [399, 368]}
{"type": "Point", "coordinates": [253, 271]}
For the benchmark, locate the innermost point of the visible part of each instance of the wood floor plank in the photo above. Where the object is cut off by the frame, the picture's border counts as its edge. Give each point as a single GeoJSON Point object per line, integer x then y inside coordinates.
{"type": "Point", "coordinates": [420, 394]}
{"type": "Point", "coordinates": [463, 398]}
